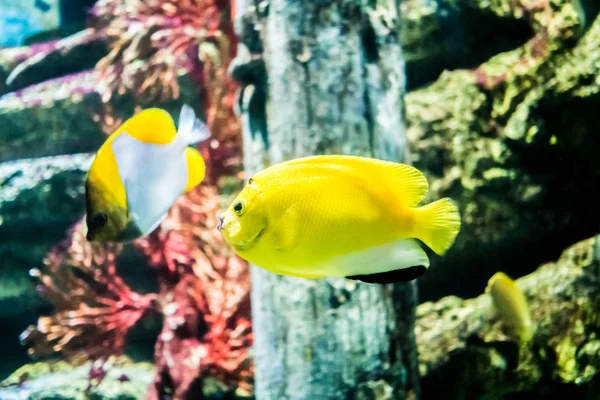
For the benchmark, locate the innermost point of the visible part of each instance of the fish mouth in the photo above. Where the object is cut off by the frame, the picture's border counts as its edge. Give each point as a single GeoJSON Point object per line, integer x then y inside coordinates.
{"type": "Point", "coordinates": [130, 232]}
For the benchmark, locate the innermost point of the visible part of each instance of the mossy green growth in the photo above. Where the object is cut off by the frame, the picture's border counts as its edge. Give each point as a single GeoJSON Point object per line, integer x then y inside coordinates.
{"type": "Point", "coordinates": [466, 349]}
{"type": "Point", "coordinates": [511, 141]}
{"type": "Point", "coordinates": [58, 380]}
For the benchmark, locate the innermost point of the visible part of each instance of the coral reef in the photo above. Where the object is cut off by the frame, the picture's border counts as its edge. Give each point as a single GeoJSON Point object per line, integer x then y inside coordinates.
{"type": "Point", "coordinates": [510, 141]}
{"type": "Point", "coordinates": [178, 54]}
{"type": "Point", "coordinates": [447, 35]}
{"type": "Point", "coordinates": [94, 308]}
{"type": "Point", "coordinates": [39, 200]}
{"type": "Point", "coordinates": [467, 352]}
{"type": "Point", "coordinates": [50, 118]}
{"type": "Point", "coordinates": [24, 66]}
{"type": "Point", "coordinates": [206, 295]}
{"type": "Point", "coordinates": [59, 380]}
{"type": "Point", "coordinates": [508, 137]}
{"type": "Point", "coordinates": [203, 299]}
{"type": "Point", "coordinates": [152, 40]}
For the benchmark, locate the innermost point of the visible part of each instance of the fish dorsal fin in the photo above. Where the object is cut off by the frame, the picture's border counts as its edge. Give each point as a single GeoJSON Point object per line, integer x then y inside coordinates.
{"type": "Point", "coordinates": [196, 168]}
{"type": "Point", "coordinates": [286, 228]}
{"type": "Point", "coordinates": [409, 184]}
{"type": "Point", "coordinates": [152, 125]}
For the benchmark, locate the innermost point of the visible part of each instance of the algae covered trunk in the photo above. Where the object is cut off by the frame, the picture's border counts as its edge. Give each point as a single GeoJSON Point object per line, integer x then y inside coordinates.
{"type": "Point", "coordinates": [335, 84]}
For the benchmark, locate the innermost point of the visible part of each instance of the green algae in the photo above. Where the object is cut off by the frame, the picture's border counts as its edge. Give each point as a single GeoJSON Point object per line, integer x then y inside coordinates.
{"type": "Point", "coordinates": [483, 360]}
{"type": "Point", "coordinates": [511, 142]}
{"type": "Point", "coordinates": [58, 380]}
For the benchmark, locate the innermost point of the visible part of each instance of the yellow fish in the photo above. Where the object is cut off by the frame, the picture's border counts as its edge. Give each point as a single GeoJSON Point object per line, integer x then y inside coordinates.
{"type": "Point", "coordinates": [339, 216]}
{"type": "Point", "coordinates": [139, 173]}
{"type": "Point", "coordinates": [512, 306]}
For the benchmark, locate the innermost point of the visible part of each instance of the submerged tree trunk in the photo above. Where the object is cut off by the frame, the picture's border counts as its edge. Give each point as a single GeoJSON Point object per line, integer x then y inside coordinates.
{"type": "Point", "coordinates": [335, 85]}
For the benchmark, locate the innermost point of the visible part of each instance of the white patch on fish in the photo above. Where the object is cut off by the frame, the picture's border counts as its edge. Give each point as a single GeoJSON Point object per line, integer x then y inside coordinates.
{"type": "Point", "coordinates": [400, 254]}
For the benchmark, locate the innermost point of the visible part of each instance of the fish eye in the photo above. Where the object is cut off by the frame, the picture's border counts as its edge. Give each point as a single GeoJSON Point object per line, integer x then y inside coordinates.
{"type": "Point", "coordinates": [100, 219]}
{"type": "Point", "coordinates": [238, 208]}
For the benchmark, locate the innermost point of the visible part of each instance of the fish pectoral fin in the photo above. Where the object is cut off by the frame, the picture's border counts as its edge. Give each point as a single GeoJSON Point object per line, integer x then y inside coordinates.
{"type": "Point", "coordinates": [286, 229]}
{"type": "Point", "coordinates": [156, 223]}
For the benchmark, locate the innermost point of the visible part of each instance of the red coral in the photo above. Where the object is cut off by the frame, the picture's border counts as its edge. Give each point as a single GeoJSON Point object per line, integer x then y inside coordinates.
{"type": "Point", "coordinates": [152, 39]}
{"type": "Point", "coordinates": [207, 314]}
{"type": "Point", "coordinates": [94, 307]}
{"type": "Point", "coordinates": [204, 298]}
{"type": "Point", "coordinates": [204, 286]}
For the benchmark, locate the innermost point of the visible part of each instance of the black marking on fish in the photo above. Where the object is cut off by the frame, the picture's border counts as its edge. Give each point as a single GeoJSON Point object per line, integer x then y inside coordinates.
{"type": "Point", "coordinates": [398, 275]}
{"type": "Point", "coordinates": [89, 212]}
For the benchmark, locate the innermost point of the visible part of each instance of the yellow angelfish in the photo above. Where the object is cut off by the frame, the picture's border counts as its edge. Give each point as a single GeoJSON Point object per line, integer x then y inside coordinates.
{"type": "Point", "coordinates": [512, 306]}
{"type": "Point", "coordinates": [339, 216]}
{"type": "Point", "coordinates": [139, 173]}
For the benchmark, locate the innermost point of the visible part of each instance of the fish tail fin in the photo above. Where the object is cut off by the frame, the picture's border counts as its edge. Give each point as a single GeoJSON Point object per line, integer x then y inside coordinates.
{"type": "Point", "coordinates": [438, 224]}
{"type": "Point", "coordinates": [191, 130]}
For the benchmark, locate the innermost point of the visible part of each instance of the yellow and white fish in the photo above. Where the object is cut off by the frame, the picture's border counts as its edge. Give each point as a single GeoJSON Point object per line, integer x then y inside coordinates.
{"type": "Point", "coordinates": [139, 173]}
{"type": "Point", "coordinates": [339, 216]}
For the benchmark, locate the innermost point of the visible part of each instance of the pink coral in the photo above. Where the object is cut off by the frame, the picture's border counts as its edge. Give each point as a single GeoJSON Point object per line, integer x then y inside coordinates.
{"type": "Point", "coordinates": [152, 39]}
{"type": "Point", "coordinates": [204, 286]}
{"type": "Point", "coordinates": [204, 298]}
{"type": "Point", "coordinates": [206, 293]}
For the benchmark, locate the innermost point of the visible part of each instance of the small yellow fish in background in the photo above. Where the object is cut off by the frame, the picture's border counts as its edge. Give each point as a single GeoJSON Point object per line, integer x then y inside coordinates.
{"type": "Point", "coordinates": [512, 306]}
{"type": "Point", "coordinates": [339, 216]}
{"type": "Point", "coordinates": [139, 173]}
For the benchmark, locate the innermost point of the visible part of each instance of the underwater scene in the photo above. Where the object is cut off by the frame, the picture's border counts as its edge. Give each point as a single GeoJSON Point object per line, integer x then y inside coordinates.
{"type": "Point", "coordinates": [299, 200]}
